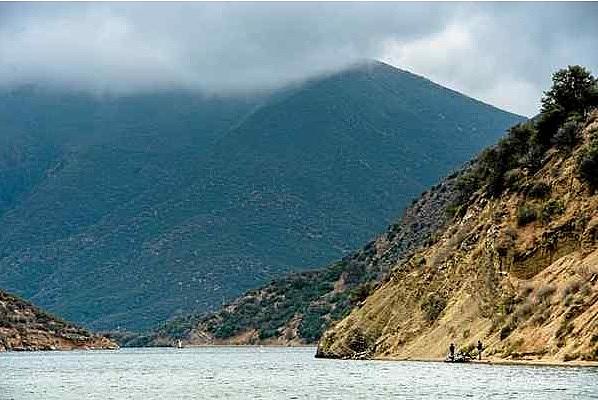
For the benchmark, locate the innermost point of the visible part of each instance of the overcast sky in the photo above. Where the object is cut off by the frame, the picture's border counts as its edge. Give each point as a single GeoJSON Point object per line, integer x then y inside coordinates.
{"type": "Point", "coordinates": [501, 53]}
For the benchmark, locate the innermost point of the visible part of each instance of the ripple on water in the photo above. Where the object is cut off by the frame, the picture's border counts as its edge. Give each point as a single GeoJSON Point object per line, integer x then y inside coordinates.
{"type": "Point", "coordinates": [272, 373]}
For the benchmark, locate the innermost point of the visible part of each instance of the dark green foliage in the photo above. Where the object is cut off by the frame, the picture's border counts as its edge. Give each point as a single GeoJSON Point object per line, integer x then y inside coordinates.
{"type": "Point", "coordinates": [564, 106]}
{"type": "Point", "coordinates": [538, 190]}
{"type": "Point", "coordinates": [495, 163]}
{"type": "Point", "coordinates": [279, 303]}
{"type": "Point", "coordinates": [588, 164]}
{"type": "Point", "coordinates": [526, 214]}
{"type": "Point", "coordinates": [547, 126]}
{"type": "Point", "coordinates": [467, 183]}
{"type": "Point", "coordinates": [506, 330]}
{"type": "Point", "coordinates": [490, 168]}
{"type": "Point", "coordinates": [361, 292]}
{"type": "Point", "coordinates": [135, 209]}
{"type": "Point", "coordinates": [314, 323]}
{"type": "Point", "coordinates": [340, 286]}
{"type": "Point", "coordinates": [573, 90]}
{"type": "Point", "coordinates": [551, 209]}
{"type": "Point", "coordinates": [433, 306]}
{"type": "Point", "coordinates": [567, 136]}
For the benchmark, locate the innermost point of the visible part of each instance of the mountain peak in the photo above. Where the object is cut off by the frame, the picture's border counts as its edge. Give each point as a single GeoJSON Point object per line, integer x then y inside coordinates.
{"type": "Point", "coordinates": [185, 201]}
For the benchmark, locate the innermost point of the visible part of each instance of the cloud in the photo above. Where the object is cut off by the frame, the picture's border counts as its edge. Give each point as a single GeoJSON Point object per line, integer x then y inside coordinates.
{"type": "Point", "coordinates": [499, 53]}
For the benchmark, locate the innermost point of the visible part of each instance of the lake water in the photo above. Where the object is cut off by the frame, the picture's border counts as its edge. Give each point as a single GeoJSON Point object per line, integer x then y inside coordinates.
{"type": "Point", "coordinates": [272, 373]}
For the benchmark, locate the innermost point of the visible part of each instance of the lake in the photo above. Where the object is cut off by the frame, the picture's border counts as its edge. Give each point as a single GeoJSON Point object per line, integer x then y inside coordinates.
{"type": "Point", "coordinates": [272, 373]}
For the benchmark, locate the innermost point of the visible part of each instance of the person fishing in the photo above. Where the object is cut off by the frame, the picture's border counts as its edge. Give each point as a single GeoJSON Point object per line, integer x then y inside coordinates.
{"type": "Point", "coordinates": [452, 352]}
{"type": "Point", "coordinates": [480, 349]}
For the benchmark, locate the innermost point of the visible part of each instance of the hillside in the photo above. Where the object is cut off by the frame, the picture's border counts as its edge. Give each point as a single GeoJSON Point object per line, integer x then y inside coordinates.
{"type": "Point", "coordinates": [24, 327]}
{"type": "Point", "coordinates": [297, 308]}
{"type": "Point", "coordinates": [517, 267]}
{"type": "Point", "coordinates": [125, 212]}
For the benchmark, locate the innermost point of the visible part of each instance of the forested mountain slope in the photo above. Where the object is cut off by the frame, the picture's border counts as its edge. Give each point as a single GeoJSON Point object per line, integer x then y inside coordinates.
{"type": "Point", "coordinates": [122, 212]}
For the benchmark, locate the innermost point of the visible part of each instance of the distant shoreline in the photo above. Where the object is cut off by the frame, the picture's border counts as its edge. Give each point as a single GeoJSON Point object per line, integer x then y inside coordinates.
{"type": "Point", "coordinates": [487, 361]}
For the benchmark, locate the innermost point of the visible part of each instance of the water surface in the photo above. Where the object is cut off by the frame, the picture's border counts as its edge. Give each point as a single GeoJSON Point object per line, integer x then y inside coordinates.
{"type": "Point", "coordinates": [272, 373]}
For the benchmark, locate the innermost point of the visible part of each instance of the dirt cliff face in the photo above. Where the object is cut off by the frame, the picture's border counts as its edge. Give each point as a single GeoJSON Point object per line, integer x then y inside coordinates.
{"type": "Point", "coordinates": [518, 272]}
{"type": "Point", "coordinates": [23, 327]}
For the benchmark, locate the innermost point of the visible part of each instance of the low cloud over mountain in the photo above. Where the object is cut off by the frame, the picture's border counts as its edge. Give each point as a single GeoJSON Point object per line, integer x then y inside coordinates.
{"type": "Point", "coordinates": [499, 53]}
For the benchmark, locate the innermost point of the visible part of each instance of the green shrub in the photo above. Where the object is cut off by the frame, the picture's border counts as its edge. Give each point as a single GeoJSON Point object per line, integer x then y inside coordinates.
{"type": "Point", "coordinates": [550, 209]}
{"type": "Point", "coordinates": [267, 332]}
{"type": "Point", "coordinates": [525, 215]}
{"type": "Point", "coordinates": [513, 178]}
{"type": "Point", "coordinates": [538, 190]}
{"type": "Point", "coordinates": [506, 330]}
{"type": "Point", "coordinates": [567, 136]}
{"type": "Point", "coordinates": [588, 165]}
{"type": "Point", "coordinates": [361, 292]}
{"type": "Point", "coordinates": [548, 123]}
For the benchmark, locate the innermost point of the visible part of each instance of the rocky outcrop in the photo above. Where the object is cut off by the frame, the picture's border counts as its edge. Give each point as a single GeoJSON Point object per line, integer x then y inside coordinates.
{"type": "Point", "coordinates": [24, 327]}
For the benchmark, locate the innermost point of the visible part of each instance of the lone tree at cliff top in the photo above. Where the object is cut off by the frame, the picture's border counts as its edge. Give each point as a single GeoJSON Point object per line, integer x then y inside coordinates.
{"type": "Point", "coordinates": [574, 89]}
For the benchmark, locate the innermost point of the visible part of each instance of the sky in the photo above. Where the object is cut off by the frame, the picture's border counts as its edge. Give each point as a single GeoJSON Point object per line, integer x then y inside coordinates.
{"type": "Point", "coordinates": [500, 53]}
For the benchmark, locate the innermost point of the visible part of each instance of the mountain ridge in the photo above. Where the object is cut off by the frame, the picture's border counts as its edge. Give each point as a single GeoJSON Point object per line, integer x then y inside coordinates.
{"type": "Point", "coordinates": [196, 215]}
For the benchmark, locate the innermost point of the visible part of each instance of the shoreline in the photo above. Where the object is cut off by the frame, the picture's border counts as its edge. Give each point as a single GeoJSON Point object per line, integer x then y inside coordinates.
{"type": "Point", "coordinates": [500, 361]}
{"type": "Point", "coordinates": [487, 361]}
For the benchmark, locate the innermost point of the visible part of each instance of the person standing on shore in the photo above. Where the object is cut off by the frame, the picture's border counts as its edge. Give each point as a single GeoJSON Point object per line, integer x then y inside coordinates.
{"type": "Point", "coordinates": [480, 349]}
{"type": "Point", "coordinates": [452, 352]}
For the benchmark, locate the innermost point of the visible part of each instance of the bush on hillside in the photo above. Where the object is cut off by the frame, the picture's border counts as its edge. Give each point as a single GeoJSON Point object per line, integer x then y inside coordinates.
{"type": "Point", "coordinates": [572, 95]}
{"type": "Point", "coordinates": [538, 190]}
{"type": "Point", "coordinates": [525, 215]}
{"type": "Point", "coordinates": [550, 209]}
{"type": "Point", "coordinates": [588, 165]}
{"type": "Point", "coordinates": [567, 136]}
{"type": "Point", "coordinates": [506, 330]}
{"type": "Point", "coordinates": [361, 292]}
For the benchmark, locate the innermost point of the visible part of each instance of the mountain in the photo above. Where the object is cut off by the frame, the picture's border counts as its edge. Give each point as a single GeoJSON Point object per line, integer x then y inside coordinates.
{"type": "Point", "coordinates": [126, 211]}
{"type": "Point", "coordinates": [24, 327]}
{"type": "Point", "coordinates": [517, 266]}
{"type": "Point", "coordinates": [297, 308]}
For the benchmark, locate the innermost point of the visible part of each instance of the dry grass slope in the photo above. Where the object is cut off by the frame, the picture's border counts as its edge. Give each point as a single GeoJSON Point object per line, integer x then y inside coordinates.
{"type": "Point", "coordinates": [519, 272]}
